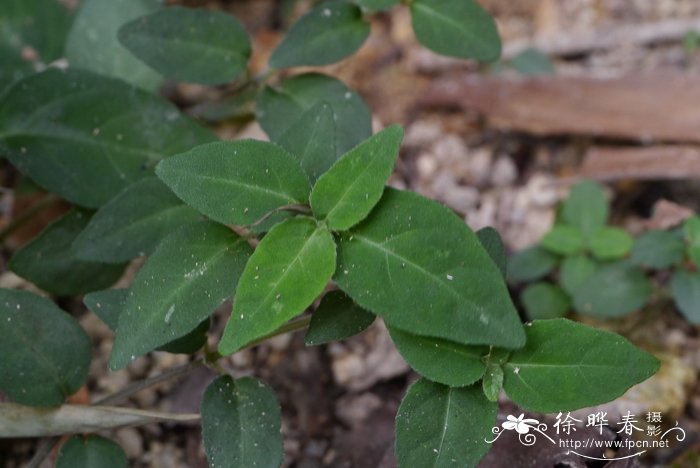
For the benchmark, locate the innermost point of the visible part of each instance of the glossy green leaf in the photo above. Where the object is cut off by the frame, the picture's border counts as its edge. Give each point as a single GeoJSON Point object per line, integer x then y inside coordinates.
{"type": "Point", "coordinates": [612, 291]}
{"type": "Point", "coordinates": [658, 249]}
{"type": "Point", "coordinates": [439, 426]}
{"type": "Point", "coordinates": [241, 424]}
{"type": "Point", "coordinates": [328, 33]}
{"type": "Point", "coordinates": [86, 137]}
{"type": "Point", "coordinates": [532, 62]}
{"type": "Point", "coordinates": [93, 44]}
{"type": "Point", "coordinates": [189, 44]}
{"type": "Point", "coordinates": [32, 32]}
{"type": "Point", "coordinates": [685, 288]}
{"type": "Point", "coordinates": [691, 230]}
{"type": "Point", "coordinates": [45, 354]}
{"type": "Point", "coordinates": [278, 108]}
{"type": "Point", "coordinates": [311, 140]}
{"type": "Point", "coordinates": [441, 361]}
{"type": "Point", "coordinates": [457, 28]}
{"type": "Point", "coordinates": [586, 208]}
{"type": "Point", "coordinates": [566, 366]}
{"type": "Point", "coordinates": [50, 261]}
{"type": "Point", "coordinates": [133, 223]}
{"type": "Point", "coordinates": [492, 382]}
{"type": "Point", "coordinates": [91, 452]}
{"type": "Point", "coordinates": [416, 263]}
{"type": "Point", "coordinates": [491, 241]}
{"type": "Point", "coordinates": [610, 243]}
{"type": "Point", "coordinates": [346, 194]}
{"type": "Point", "coordinates": [531, 264]}
{"type": "Point", "coordinates": [375, 5]}
{"type": "Point", "coordinates": [563, 240]}
{"type": "Point", "coordinates": [337, 318]}
{"type": "Point", "coordinates": [290, 268]}
{"type": "Point", "coordinates": [110, 303]}
{"type": "Point", "coordinates": [188, 276]}
{"type": "Point", "coordinates": [574, 271]}
{"type": "Point", "coordinates": [244, 179]}
{"type": "Point", "coordinates": [545, 301]}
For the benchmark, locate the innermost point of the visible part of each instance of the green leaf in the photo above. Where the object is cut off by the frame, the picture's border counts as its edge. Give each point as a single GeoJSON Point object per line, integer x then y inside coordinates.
{"type": "Point", "coordinates": [93, 45]}
{"type": "Point", "coordinates": [290, 268]}
{"type": "Point", "coordinates": [25, 32]}
{"type": "Point", "coordinates": [187, 44]}
{"type": "Point", "coordinates": [45, 354]}
{"type": "Point", "coordinates": [337, 318]}
{"type": "Point", "coordinates": [241, 424]}
{"type": "Point", "coordinates": [91, 451]}
{"type": "Point", "coordinates": [658, 249]}
{"type": "Point", "coordinates": [376, 5]}
{"type": "Point", "coordinates": [278, 108]}
{"type": "Point", "coordinates": [456, 28]}
{"type": "Point", "coordinates": [188, 276]}
{"type": "Point", "coordinates": [566, 366]}
{"type": "Point", "coordinates": [544, 301]}
{"type": "Point", "coordinates": [88, 157]}
{"type": "Point", "coordinates": [574, 271]}
{"type": "Point", "coordinates": [244, 179]}
{"type": "Point", "coordinates": [441, 361]}
{"type": "Point", "coordinates": [110, 303]}
{"type": "Point", "coordinates": [133, 223]}
{"type": "Point", "coordinates": [586, 208]}
{"type": "Point", "coordinates": [563, 240]}
{"type": "Point", "coordinates": [416, 263]}
{"type": "Point", "coordinates": [614, 290]}
{"type": "Point", "coordinates": [610, 243]}
{"type": "Point", "coordinates": [491, 241]}
{"type": "Point", "coordinates": [531, 264]}
{"type": "Point", "coordinates": [532, 62]}
{"type": "Point", "coordinates": [691, 229]}
{"type": "Point", "coordinates": [346, 194]}
{"type": "Point", "coordinates": [328, 33]}
{"type": "Point", "coordinates": [50, 261]}
{"type": "Point", "coordinates": [492, 382]}
{"type": "Point", "coordinates": [311, 140]}
{"type": "Point", "coordinates": [440, 426]}
{"type": "Point", "coordinates": [685, 288]}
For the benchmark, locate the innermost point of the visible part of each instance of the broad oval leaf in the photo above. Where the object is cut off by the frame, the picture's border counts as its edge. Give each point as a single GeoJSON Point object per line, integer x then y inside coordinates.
{"type": "Point", "coordinates": [50, 261]}
{"type": "Point", "coordinates": [244, 179]}
{"type": "Point", "coordinates": [574, 271]}
{"type": "Point", "coordinates": [133, 223]}
{"type": "Point", "coordinates": [279, 107]}
{"type": "Point", "coordinates": [47, 133]}
{"type": "Point", "coordinates": [311, 140]}
{"type": "Point", "coordinates": [417, 264]}
{"type": "Point", "coordinates": [45, 353]}
{"type": "Point", "coordinates": [337, 318]}
{"type": "Point", "coordinates": [288, 270]}
{"type": "Point", "coordinates": [492, 382]}
{"type": "Point", "coordinates": [93, 44]}
{"type": "Point", "coordinates": [188, 44]}
{"type": "Point", "coordinates": [439, 426]}
{"type": "Point", "coordinates": [545, 301]}
{"type": "Point", "coordinates": [328, 33]}
{"type": "Point", "coordinates": [685, 288]}
{"type": "Point", "coordinates": [658, 249]}
{"type": "Point", "coordinates": [91, 451]}
{"type": "Point", "coordinates": [531, 264]}
{"type": "Point", "coordinates": [188, 276]}
{"type": "Point", "coordinates": [493, 244]}
{"type": "Point", "coordinates": [563, 240]}
{"type": "Point", "coordinates": [346, 194]}
{"type": "Point", "coordinates": [457, 28]}
{"type": "Point", "coordinates": [566, 366]}
{"type": "Point", "coordinates": [586, 208]}
{"type": "Point", "coordinates": [441, 361]}
{"type": "Point", "coordinates": [610, 243]}
{"type": "Point", "coordinates": [241, 424]}
{"type": "Point", "coordinates": [612, 291]}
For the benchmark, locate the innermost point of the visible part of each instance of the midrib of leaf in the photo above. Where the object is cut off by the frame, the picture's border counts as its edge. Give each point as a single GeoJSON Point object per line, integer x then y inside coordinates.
{"type": "Point", "coordinates": [444, 426]}
{"type": "Point", "coordinates": [455, 24]}
{"type": "Point", "coordinates": [349, 187]}
{"type": "Point", "coordinates": [201, 47]}
{"type": "Point", "coordinates": [139, 221]}
{"type": "Point", "coordinates": [326, 34]}
{"type": "Point", "coordinates": [43, 361]}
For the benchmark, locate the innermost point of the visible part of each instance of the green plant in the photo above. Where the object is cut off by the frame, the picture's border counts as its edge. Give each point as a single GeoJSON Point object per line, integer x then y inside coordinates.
{"type": "Point", "coordinates": [270, 224]}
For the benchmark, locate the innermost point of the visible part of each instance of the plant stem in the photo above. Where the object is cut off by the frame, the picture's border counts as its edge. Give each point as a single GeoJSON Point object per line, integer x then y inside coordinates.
{"type": "Point", "coordinates": [27, 215]}
{"type": "Point", "coordinates": [294, 325]}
